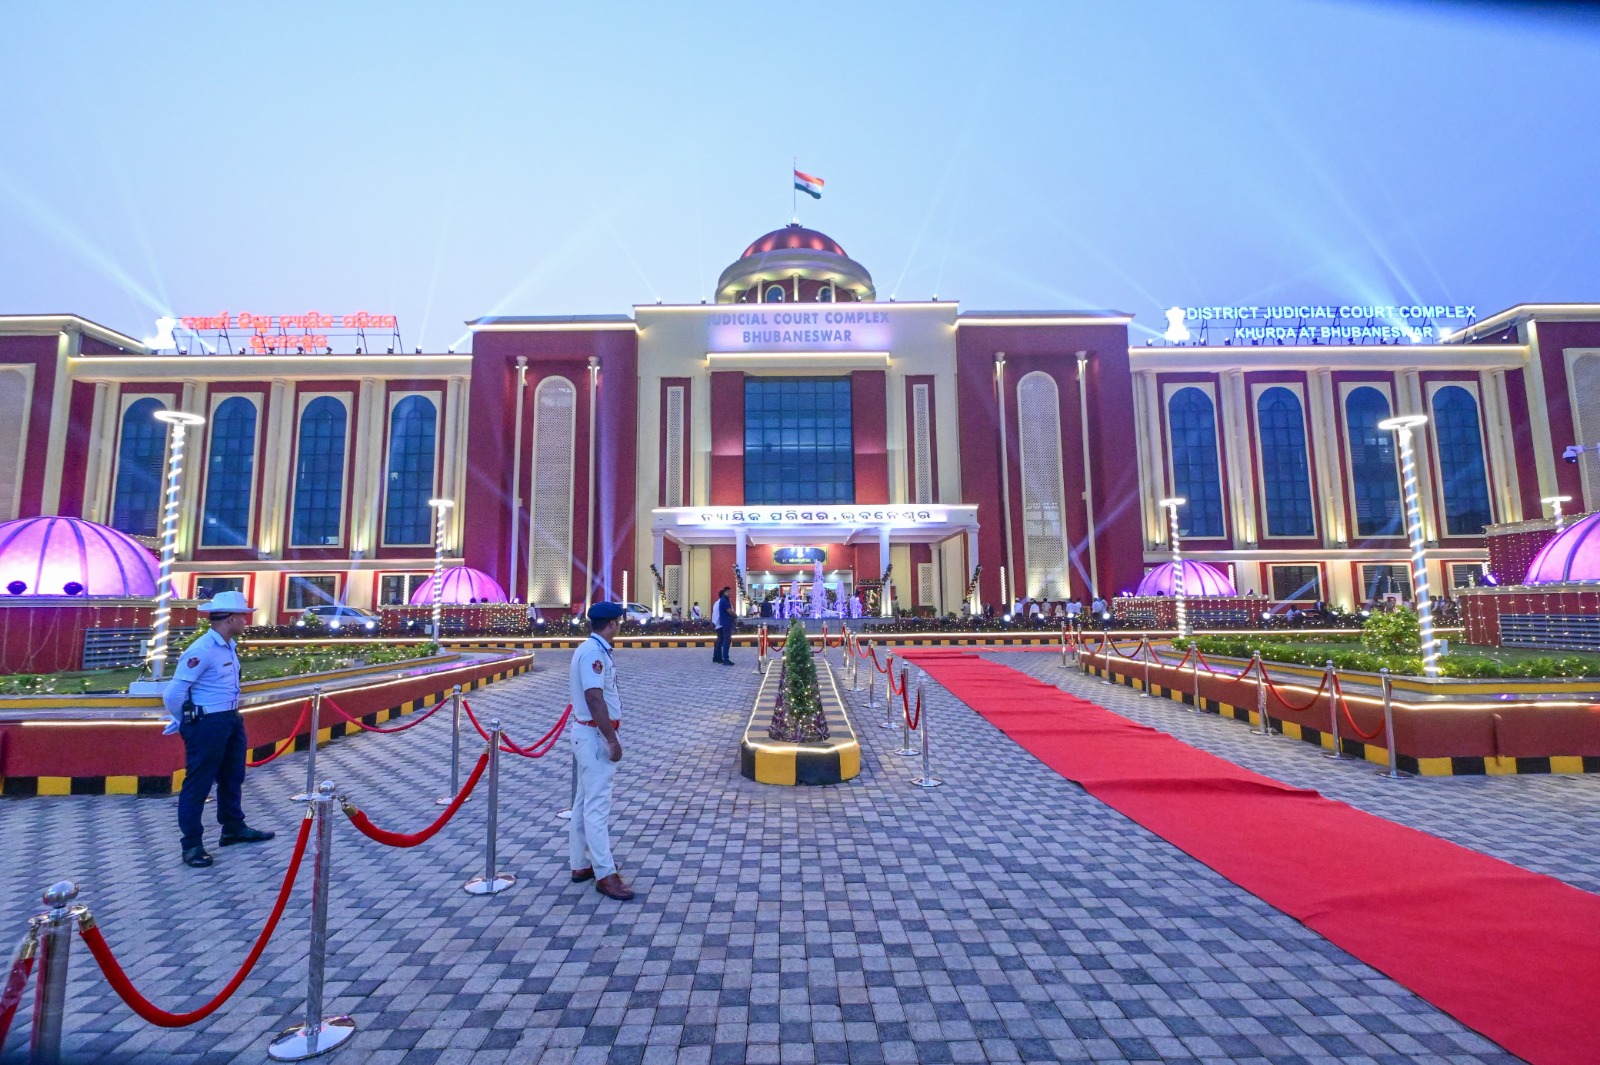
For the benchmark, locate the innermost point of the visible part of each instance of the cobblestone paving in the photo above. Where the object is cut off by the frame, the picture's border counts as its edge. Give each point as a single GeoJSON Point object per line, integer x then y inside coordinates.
{"type": "Point", "coordinates": [1005, 916]}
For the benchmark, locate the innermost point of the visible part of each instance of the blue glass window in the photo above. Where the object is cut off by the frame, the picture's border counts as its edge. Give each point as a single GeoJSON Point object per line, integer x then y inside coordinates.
{"type": "Point", "coordinates": [1192, 430]}
{"type": "Point", "coordinates": [1285, 473]}
{"type": "Point", "coordinates": [797, 440]}
{"type": "Point", "coordinates": [1461, 466]}
{"type": "Point", "coordinates": [141, 460]}
{"type": "Point", "coordinates": [1374, 477]}
{"type": "Point", "coordinates": [319, 474]}
{"type": "Point", "coordinates": [407, 518]}
{"type": "Point", "coordinates": [230, 475]}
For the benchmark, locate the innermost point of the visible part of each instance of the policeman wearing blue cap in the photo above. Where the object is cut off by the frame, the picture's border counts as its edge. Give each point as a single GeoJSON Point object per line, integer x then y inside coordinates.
{"type": "Point", "coordinates": [597, 709]}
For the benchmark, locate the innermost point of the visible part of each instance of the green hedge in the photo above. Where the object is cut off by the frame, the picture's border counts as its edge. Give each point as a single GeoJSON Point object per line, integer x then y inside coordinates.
{"type": "Point", "coordinates": [1462, 666]}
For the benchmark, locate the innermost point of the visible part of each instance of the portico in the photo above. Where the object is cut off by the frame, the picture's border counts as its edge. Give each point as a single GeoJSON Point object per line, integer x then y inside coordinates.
{"type": "Point", "coordinates": [848, 526]}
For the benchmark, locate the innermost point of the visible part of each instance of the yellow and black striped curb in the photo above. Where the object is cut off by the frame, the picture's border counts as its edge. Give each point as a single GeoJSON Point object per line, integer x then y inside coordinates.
{"type": "Point", "coordinates": [27, 787]}
{"type": "Point", "coordinates": [767, 761]}
{"type": "Point", "coordinates": [1454, 766]}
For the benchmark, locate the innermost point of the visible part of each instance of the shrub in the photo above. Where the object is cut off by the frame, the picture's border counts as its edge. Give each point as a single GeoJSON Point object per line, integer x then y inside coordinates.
{"type": "Point", "coordinates": [1392, 632]}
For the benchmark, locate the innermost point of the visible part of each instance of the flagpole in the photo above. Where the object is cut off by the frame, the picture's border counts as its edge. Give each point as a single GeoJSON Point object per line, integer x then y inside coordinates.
{"type": "Point", "coordinates": [794, 193]}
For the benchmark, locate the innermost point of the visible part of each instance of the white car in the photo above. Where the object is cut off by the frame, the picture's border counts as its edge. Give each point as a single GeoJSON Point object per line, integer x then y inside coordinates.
{"type": "Point", "coordinates": [637, 612]}
{"type": "Point", "coordinates": [335, 616]}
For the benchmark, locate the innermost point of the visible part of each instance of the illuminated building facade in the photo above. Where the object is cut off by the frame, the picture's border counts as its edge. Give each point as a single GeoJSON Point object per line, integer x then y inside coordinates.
{"type": "Point", "coordinates": [798, 419]}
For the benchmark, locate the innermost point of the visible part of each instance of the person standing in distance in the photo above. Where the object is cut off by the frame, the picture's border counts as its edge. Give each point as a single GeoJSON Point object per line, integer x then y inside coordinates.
{"type": "Point", "coordinates": [723, 617]}
{"type": "Point", "coordinates": [597, 708]}
{"type": "Point", "coordinates": [203, 701]}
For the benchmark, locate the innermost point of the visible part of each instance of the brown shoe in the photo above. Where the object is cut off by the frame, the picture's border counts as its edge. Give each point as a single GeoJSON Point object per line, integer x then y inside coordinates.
{"type": "Point", "coordinates": [580, 875]}
{"type": "Point", "coordinates": [612, 887]}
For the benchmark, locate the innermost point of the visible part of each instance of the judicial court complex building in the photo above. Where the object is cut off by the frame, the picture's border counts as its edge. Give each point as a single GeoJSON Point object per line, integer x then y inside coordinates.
{"type": "Point", "coordinates": [798, 418]}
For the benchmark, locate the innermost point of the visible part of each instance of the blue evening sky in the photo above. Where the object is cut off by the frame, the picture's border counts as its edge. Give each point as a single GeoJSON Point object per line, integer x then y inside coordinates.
{"type": "Point", "coordinates": [441, 161]}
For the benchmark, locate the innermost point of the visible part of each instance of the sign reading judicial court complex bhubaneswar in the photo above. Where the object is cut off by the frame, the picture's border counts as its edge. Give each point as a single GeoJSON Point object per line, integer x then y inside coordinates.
{"type": "Point", "coordinates": [841, 327]}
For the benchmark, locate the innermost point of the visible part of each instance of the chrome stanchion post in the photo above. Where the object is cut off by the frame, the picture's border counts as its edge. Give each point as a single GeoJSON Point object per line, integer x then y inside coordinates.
{"type": "Point", "coordinates": [1393, 772]}
{"type": "Point", "coordinates": [905, 724]}
{"type": "Point", "coordinates": [491, 882]}
{"type": "Point", "coordinates": [50, 982]}
{"type": "Point", "coordinates": [572, 800]}
{"type": "Point", "coordinates": [1333, 712]}
{"type": "Point", "coordinates": [318, 1034]}
{"type": "Point", "coordinates": [310, 794]}
{"type": "Point", "coordinates": [1144, 646]}
{"type": "Point", "coordinates": [455, 748]}
{"type": "Point", "coordinates": [1261, 694]}
{"type": "Point", "coordinates": [1063, 647]}
{"type": "Point", "coordinates": [927, 779]}
{"type": "Point", "coordinates": [1195, 652]}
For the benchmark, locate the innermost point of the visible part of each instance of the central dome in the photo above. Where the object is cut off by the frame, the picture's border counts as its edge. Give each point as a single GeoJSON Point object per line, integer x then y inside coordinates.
{"type": "Point", "coordinates": [793, 235]}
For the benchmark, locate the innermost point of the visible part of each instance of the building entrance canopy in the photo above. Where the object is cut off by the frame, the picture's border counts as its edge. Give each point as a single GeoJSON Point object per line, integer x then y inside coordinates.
{"type": "Point", "coordinates": [799, 524]}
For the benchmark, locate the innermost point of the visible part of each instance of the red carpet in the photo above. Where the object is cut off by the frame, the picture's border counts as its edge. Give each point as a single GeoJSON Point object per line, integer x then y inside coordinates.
{"type": "Point", "coordinates": [1511, 954]}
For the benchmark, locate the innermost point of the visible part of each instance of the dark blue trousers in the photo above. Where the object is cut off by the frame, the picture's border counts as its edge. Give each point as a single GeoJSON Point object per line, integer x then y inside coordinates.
{"type": "Point", "coordinates": [724, 642]}
{"type": "Point", "coordinates": [214, 754]}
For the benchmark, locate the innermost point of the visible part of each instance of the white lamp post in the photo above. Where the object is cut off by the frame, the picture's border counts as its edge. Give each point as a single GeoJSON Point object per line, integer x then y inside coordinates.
{"type": "Point", "coordinates": [179, 421]}
{"type": "Point", "coordinates": [441, 507]}
{"type": "Point", "coordinates": [1171, 504]}
{"type": "Point", "coordinates": [1554, 503]}
{"type": "Point", "coordinates": [1401, 426]}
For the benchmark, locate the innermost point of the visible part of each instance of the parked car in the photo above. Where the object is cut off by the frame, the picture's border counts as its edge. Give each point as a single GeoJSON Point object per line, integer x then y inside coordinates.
{"type": "Point", "coordinates": [637, 612]}
{"type": "Point", "coordinates": [336, 616]}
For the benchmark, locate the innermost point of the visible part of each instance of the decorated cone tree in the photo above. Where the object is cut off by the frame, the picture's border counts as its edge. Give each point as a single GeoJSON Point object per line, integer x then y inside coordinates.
{"type": "Point", "coordinates": [799, 716]}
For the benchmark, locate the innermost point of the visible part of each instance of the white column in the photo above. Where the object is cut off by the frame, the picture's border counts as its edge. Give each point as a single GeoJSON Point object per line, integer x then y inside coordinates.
{"type": "Point", "coordinates": [885, 607]}
{"type": "Point", "coordinates": [972, 563]}
{"type": "Point", "coordinates": [658, 556]}
{"type": "Point", "coordinates": [740, 543]}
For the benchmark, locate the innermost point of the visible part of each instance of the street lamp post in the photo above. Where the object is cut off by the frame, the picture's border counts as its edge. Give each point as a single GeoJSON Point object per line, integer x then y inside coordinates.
{"type": "Point", "coordinates": [179, 421]}
{"type": "Point", "coordinates": [1171, 504]}
{"type": "Point", "coordinates": [1402, 426]}
{"type": "Point", "coordinates": [441, 507]}
{"type": "Point", "coordinates": [1554, 503]}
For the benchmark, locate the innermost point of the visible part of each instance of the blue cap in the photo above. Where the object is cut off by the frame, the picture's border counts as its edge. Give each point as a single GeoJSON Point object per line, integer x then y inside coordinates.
{"type": "Point", "coordinates": [603, 612]}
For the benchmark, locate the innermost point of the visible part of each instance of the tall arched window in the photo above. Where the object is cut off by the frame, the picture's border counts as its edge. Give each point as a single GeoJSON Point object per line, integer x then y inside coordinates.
{"type": "Point", "coordinates": [1285, 473]}
{"type": "Point", "coordinates": [319, 475]}
{"type": "Point", "coordinates": [1192, 433]}
{"type": "Point", "coordinates": [1043, 498]}
{"type": "Point", "coordinates": [1465, 481]}
{"type": "Point", "coordinates": [550, 525]}
{"type": "Point", "coordinates": [230, 474]}
{"type": "Point", "coordinates": [409, 485]}
{"type": "Point", "coordinates": [141, 459]}
{"type": "Point", "coordinates": [1374, 477]}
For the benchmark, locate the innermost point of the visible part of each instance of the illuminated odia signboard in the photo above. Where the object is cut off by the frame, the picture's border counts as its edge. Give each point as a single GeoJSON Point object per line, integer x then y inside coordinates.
{"type": "Point", "coordinates": [1322, 323]}
{"type": "Point", "coordinates": [824, 327]}
{"type": "Point", "coordinates": [277, 332]}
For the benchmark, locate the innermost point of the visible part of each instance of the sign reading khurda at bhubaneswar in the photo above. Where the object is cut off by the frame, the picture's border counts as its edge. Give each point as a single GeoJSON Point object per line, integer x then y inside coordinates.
{"type": "Point", "coordinates": [817, 327]}
{"type": "Point", "coordinates": [286, 332]}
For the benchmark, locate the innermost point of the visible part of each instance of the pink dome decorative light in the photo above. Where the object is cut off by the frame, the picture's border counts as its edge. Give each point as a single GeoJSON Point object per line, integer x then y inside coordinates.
{"type": "Point", "coordinates": [1573, 554]}
{"type": "Point", "coordinates": [462, 584]}
{"type": "Point", "coordinates": [47, 554]}
{"type": "Point", "coordinates": [1199, 579]}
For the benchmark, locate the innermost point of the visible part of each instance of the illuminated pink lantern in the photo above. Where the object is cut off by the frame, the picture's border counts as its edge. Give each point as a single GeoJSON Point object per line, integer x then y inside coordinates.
{"type": "Point", "coordinates": [1199, 579]}
{"type": "Point", "coordinates": [48, 554]}
{"type": "Point", "coordinates": [1573, 554]}
{"type": "Point", "coordinates": [462, 584]}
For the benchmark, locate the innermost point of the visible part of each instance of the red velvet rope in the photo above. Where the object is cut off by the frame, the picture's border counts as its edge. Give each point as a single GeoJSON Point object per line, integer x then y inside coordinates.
{"type": "Point", "coordinates": [901, 688]}
{"type": "Point", "coordinates": [1338, 691]}
{"type": "Point", "coordinates": [150, 1011]}
{"type": "Point", "coordinates": [364, 727]}
{"type": "Point", "coordinates": [358, 817]}
{"type": "Point", "coordinates": [1130, 657]}
{"type": "Point", "coordinates": [284, 746]}
{"type": "Point", "coordinates": [1290, 706]}
{"type": "Point", "coordinates": [912, 720]}
{"type": "Point", "coordinates": [16, 983]}
{"type": "Point", "coordinates": [537, 749]}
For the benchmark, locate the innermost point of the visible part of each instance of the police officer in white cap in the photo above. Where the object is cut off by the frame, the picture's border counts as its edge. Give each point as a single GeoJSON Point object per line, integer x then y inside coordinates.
{"type": "Point", "coordinates": [597, 711]}
{"type": "Point", "coordinates": [203, 702]}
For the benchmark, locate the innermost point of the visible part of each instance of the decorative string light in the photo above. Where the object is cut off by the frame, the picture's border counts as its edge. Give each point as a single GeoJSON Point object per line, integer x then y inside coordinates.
{"type": "Point", "coordinates": [180, 422]}
{"type": "Point", "coordinates": [1402, 426]}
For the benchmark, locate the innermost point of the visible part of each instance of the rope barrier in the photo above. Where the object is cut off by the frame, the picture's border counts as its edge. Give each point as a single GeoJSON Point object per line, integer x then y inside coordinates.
{"type": "Point", "coordinates": [364, 727]}
{"type": "Point", "coordinates": [901, 690]}
{"type": "Point", "coordinates": [1286, 704]}
{"type": "Point", "coordinates": [95, 941]}
{"type": "Point", "coordinates": [17, 979]}
{"type": "Point", "coordinates": [533, 750]}
{"type": "Point", "coordinates": [284, 746]}
{"type": "Point", "coordinates": [913, 721]}
{"type": "Point", "coordinates": [1344, 706]}
{"type": "Point", "coordinates": [364, 825]}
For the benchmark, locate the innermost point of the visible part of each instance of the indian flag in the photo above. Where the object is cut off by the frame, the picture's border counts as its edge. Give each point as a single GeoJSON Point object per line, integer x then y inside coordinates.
{"type": "Point", "coordinates": [811, 186]}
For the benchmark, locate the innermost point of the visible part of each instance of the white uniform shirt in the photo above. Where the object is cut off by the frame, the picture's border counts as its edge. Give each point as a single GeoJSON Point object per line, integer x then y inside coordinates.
{"type": "Point", "coordinates": [208, 670]}
{"type": "Point", "coordinates": [592, 668]}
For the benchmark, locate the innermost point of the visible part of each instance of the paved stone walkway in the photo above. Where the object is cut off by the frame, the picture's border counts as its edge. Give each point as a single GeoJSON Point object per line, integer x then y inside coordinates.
{"type": "Point", "coordinates": [1003, 917]}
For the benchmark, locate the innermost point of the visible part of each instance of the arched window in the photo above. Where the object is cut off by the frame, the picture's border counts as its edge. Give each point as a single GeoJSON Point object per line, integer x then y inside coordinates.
{"type": "Point", "coordinates": [409, 485]}
{"type": "Point", "coordinates": [141, 459]}
{"type": "Point", "coordinates": [1374, 477]}
{"type": "Point", "coordinates": [825, 294]}
{"type": "Point", "coordinates": [774, 294]}
{"type": "Point", "coordinates": [1043, 498]}
{"type": "Point", "coordinates": [319, 475]}
{"type": "Point", "coordinates": [230, 474]}
{"type": "Point", "coordinates": [1285, 474]}
{"type": "Point", "coordinates": [1465, 481]}
{"type": "Point", "coordinates": [1192, 433]}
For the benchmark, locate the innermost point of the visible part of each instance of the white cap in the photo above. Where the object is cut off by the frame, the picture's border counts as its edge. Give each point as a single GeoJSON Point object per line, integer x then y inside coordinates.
{"type": "Point", "coordinates": [227, 603]}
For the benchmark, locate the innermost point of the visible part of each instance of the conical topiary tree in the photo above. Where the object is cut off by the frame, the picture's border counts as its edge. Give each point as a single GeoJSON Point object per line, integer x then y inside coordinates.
{"type": "Point", "coordinates": [798, 718]}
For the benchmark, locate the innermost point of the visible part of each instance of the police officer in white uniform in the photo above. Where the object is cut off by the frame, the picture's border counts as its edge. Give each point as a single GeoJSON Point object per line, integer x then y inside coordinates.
{"type": "Point", "coordinates": [203, 701]}
{"type": "Point", "coordinates": [597, 713]}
